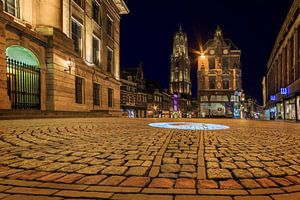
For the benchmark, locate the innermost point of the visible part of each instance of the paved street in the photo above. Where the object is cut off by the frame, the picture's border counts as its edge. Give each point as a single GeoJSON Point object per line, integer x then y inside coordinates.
{"type": "Point", "coordinates": [127, 159]}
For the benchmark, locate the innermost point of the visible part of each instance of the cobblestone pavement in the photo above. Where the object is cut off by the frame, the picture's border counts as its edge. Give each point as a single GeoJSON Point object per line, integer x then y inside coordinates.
{"type": "Point", "coordinates": [127, 159]}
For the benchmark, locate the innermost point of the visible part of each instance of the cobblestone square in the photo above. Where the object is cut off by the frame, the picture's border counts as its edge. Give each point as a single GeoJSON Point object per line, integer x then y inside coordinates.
{"type": "Point", "coordinates": [119, 158]}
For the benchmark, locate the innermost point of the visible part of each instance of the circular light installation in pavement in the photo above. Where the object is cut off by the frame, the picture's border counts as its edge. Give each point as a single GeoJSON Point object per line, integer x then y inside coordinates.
{"type": "Point", "coordinates": [189, 126]}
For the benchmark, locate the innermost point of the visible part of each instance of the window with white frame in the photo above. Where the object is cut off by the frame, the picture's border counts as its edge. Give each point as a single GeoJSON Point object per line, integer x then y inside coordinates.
{"type": "Point", "coordinates": [109, 26]}
{"type": "Point", "coordinates": [77, 36]}
{"type": "Point", "coordinates": [12, 7]}
{"type": "Point", "coordinates": [96, 12]}
{"type": "Point", "coordinates": [96, 50]}
{"type": "Point", "coordinates": [110, 54]}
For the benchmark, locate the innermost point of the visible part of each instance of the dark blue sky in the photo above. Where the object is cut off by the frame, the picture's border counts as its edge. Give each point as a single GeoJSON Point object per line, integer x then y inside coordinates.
{"type": "Point", "coordinates": [147, 33]}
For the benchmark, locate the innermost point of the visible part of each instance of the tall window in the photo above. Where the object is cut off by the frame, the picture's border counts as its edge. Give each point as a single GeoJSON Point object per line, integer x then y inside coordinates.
{"type": "Point", "coordinates": [110, 97]}
{"type": "Point", "coordinates": [109, 60]}
{"type": "Point", "coordinates": [109, 27]}
{"type": "Point", "coordinates": [79, 90]}
{"type": "Point", "coordinates": [96, 51]}
{"type": "Point", "coordinates": [12, 7]}
{"type": "Point", "coordinates": [77, 36]}
{"type": "Point", "coordinates": [211, 63]}
{"type": "Point", "coordinates": [79, 2]}
{"type": "Point", "coordinates": [225, 84]}
{"type": "Point", "coordinates": [96, 94]}
{"type": "Point", "coordinates": [212, 82]}
{"type": "Point", "coordinates": [96, 12]}
{"type": "Point", "coordinates": [225, 63]}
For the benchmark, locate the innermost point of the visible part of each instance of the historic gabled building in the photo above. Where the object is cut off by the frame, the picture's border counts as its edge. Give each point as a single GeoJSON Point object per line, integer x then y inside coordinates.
{"type": "Point", "coordinates": [180, 80]}
{"type": "Point", "coordinates": [60, 55]}
{"type": "Point", "coordinates": [219, 78]}
{"type": "Point", "coordinates": [133, 92]}
{"type": "Point", "coordinates": [282, 81]}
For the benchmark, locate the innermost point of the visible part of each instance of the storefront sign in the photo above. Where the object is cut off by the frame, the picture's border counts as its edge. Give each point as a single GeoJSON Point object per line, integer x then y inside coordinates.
{"type": "Point", "coordinates": [273, 98]}
{"type": "Point", "coordinates": [283, 91]}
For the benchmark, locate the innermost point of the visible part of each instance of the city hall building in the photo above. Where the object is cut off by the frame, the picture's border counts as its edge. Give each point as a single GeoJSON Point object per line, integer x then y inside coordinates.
{"type": "Point", "coordinates": [219, 78]}
{"type": "Point", "coordinates": [60, 55]}
{"type": "Point", "coordinates": [282, 82]}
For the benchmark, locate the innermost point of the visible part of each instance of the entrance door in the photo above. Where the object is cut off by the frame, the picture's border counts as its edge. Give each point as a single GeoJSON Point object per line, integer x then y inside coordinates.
{"type": "Point", "coordinates": [23, 78]}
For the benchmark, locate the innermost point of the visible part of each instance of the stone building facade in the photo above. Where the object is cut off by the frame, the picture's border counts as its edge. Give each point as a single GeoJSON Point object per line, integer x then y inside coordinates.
{"type": "Point", "coordinates": [282, 82]}
{"type": "Point", "coordinates": [60, 55]}
{"type": "Point", "coordinates": [219, 78]}
{"type": "Point", "coordinates": [133, 92]}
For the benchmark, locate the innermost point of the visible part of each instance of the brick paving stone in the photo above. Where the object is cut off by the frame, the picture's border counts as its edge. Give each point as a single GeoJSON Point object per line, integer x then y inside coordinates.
{"type": "Point", "coordinates": [184, 183]}
{"type": "Point", "coordinates": [31, 191]}
{"type": "Point", "coordinates": [91, 180]}
{"type": "Point", "coordinates": [250, 183]}
{"type": "Point", "coordinates": [161, 183]}
{"type": "Point", "coordinates": [293, 196]}
{"type": "Point", "coordinates": [242, 174]}
{"type": "Point", "coordinates": [51, 177]}
{"type": "Point", "coordinates": [253, 198]}
{"type": "Point", "coordinates": [169, 168]}
{"type": "Point", "coordinates": [293, 179]}
{"type": "Point", "coordinates": [258, 173]}
{"type": "Point", "coordinates": [69, 178]}
{"type": "Point", "coordinates": [256, 164]}
{"type": "Point", "coordinates": [242, 165]}
{"type": "Point", "coordinates": [293, 188]}
{"type": "Point", "coordinates": [228, 165]}
{"type": "Point", "coordinates": [112, 180]}
{"type": "Point", "coordinates": [266, 183]}
{"type": "Point", "coordinates": [169, 160]}
{"type": "Point", "coordinates": [135, 182]}
{"type": "Point", "coordinates": [114, 170]}
{"type": "Point", "coordinates": [188, 168]}
{"type": "Point", "coordinates": [168, 175]}
{"type": "Point", "coordinates": [137, 171]}
{"type": "Point", "coordinates": [230, 184]}
{"type": "Point", "coordinates": [212, 165]}
{"type": "Point", "coordinates": [31, 197]}
{"type": "Point", "coordinates": [273, 171]}
{"type": "Point", "coordinates": [189, 161]}
{"type": "Point", "coordinates": [295, 167]}
{"type": "Point", "coordinates": [187, 175]}
{"type": "Point", "coordinates": [4, 187]}
{"type": "Point", "coordinates": [207, 184]}
{"type": "Point", "coordinates": [218, 174]}
{"type": "Point", "coordinates": [266, 191]}
{"type": "Point", "coordinates": [141, 197]}
{"type": "Point", "coordinates": [83, 194]}
{"type": "Point", "coordinates": [133, 163]}
{"type": "Point", "coordinates": [282, 181]}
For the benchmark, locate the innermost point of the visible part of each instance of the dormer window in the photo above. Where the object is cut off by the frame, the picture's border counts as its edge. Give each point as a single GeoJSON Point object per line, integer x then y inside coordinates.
{"type": "Point", "coordinates": [12, 7]}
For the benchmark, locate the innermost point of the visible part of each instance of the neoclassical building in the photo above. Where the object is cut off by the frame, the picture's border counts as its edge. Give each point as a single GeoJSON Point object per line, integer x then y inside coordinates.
{"type": "Point", "coordinates": [219, 78]}
{"type": "Point", "coordinates": [60, 55]}
{"type": "Point", "coordinates": [282, 81]}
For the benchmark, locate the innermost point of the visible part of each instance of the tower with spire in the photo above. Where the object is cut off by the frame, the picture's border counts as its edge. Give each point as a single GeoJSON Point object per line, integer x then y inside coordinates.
{"type": "Point", "coordinates": [180, 80]}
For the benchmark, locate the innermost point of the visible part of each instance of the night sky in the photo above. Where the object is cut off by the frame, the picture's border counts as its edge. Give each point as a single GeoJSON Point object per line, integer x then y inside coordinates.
{"type": "Point", "coordinates": [253, 25]}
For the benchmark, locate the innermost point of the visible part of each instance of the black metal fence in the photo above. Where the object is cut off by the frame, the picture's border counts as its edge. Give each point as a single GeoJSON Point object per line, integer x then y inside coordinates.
{"type": "Point", "coordinates": [23, 85]}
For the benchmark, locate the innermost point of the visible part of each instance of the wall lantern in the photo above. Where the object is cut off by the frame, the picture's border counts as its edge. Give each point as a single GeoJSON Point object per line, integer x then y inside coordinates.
{"type": "Point", "coordinates": [68, 67]}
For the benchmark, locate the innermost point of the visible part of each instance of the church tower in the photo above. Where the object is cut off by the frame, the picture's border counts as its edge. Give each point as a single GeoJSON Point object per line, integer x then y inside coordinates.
{"type": "Point", "coordinates": [180, 80]}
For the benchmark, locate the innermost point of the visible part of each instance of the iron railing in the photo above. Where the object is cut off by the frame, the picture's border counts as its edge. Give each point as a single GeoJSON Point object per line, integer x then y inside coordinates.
{"type": "Point", "coordinates": [23, 85]}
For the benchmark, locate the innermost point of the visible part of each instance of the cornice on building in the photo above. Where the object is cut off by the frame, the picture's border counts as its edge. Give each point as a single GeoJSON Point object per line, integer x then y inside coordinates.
{"type": "Point", "coordinates": [291, 17]}
{"type": "Point", "coordinates": [123, 9]}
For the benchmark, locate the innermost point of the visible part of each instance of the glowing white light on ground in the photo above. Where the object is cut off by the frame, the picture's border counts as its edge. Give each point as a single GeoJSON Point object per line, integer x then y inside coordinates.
{"type": "Point", "coordinates": [189, 126]}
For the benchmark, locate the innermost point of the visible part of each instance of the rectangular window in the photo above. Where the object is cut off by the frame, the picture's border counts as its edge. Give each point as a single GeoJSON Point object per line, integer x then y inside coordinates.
{"type": "Point", "coordinates": [77, 36]}
{"type": "Point", "coordinates": [12, 7]}
{"type": "Point", "coordinates": [79, 90]}
{"type": "Point", "coordinates": [96, 51]}
{"type": "Point", "coordinates": [109, 60]}
{"type": "Point", "coordinates": [211, 63]}
{"type": "Point", "coordinates": [109, 27]}
{"type": "Point", "coordinates": [96, 94]}
{"type": "Point", "coordinates": [110, 97]}
{"type": "Point", "coordinates": [225, 84]}
{"type": "Point", "coordinates": [96, 12]}
{"type": "Point", "coordinates": [212, 82]}
{"type": "Point", "coordinates": [78, 2]}
{"type": "Point", "coordinates": [225, 63]}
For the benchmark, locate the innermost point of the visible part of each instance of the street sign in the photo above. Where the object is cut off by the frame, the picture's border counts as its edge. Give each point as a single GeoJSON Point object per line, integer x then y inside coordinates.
{"type": "Point", "coordinates": [283, 91]}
